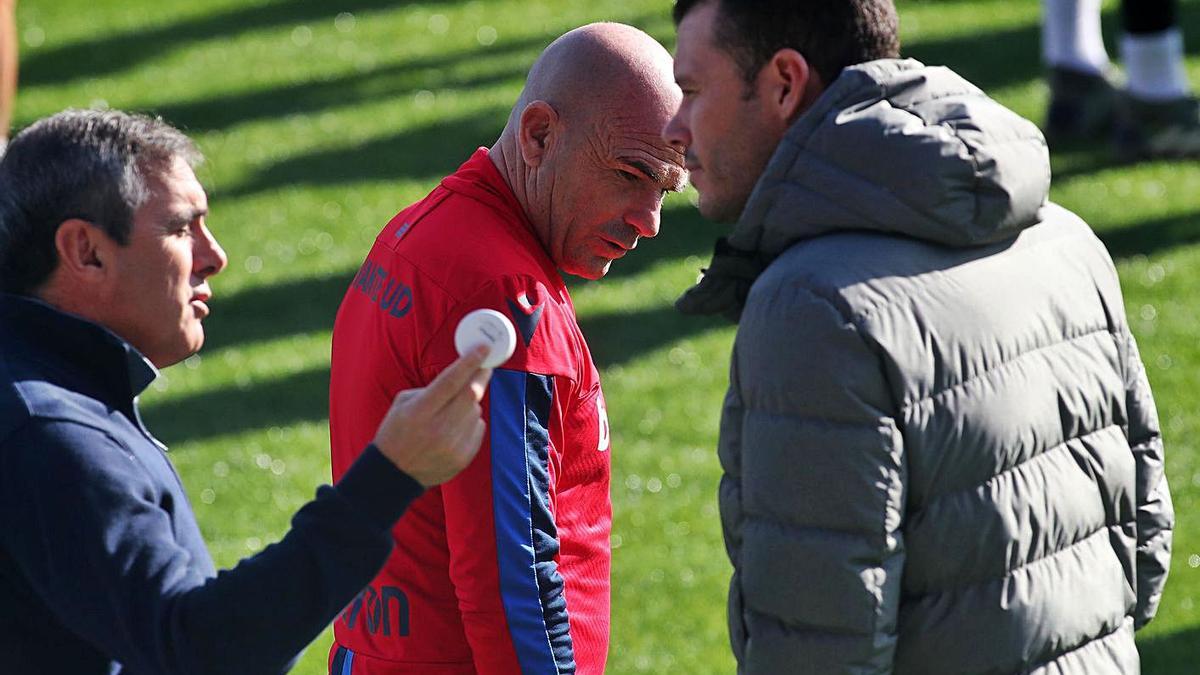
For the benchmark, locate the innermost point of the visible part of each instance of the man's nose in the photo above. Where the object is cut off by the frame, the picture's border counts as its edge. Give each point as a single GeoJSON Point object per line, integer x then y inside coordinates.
{"type": "Point", "coordinates": [209, 258]}
{"type": "Point", "coordinates": [645, 217]}
{"type": "Point", "coordinates": [676, 134]}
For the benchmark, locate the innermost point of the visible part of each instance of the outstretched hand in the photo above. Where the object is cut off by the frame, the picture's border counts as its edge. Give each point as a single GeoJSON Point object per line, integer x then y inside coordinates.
{"type": "Point", "coordinates": [433, 432]}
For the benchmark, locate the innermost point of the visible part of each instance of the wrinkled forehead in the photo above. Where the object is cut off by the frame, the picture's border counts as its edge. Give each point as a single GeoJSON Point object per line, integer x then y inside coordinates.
{"type": "Point", "coordinates": [633, 136]}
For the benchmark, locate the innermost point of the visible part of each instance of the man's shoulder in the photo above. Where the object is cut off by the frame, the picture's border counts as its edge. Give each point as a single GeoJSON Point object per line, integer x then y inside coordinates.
{"type": "Point", "coordinates": [56, 433]}
{"type": "Point", "coordinates": [860, 272]}
{"type": "Point", "coordinates": [33, 402]}
{"type": "Point", "coordinates": [457, 243]}
{"type": "Point", "coordinates": [834, 268]}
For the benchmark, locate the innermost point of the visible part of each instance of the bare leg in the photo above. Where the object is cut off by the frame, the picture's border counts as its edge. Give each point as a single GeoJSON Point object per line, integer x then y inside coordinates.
{"type": "Point", "coordinates": [8, 65]}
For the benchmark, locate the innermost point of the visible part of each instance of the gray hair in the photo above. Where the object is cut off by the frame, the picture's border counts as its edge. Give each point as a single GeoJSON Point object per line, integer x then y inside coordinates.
{"type": "Point", "coordinates": [86, 164]}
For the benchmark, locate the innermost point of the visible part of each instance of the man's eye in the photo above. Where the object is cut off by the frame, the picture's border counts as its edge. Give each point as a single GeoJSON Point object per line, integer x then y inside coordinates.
{"type": "Point", "coordinates": [628, 175]}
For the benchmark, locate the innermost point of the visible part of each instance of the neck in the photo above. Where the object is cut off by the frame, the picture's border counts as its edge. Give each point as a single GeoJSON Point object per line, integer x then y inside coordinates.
{"type": "Point", "coordinates": [70, 300]}
{"type": "Point", "coordinates": [506, 157]}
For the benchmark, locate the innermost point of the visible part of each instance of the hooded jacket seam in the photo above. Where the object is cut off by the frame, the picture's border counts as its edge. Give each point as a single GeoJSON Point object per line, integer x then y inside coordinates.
{"type": "Point", "coordinates": [907, 406]}
{"type": "Point", "coordinates": [858, 315]}
{"type": "Point", "coordinates": [1059, 446]}
{"type": "Point", "coordinates": [799, 627]}
{"type": "Point", "coordinates": [851, 322]}
{"type": "Point", "coordinates": [1059, 654]}
{"type": "Point", "coordinates": [836, 531]}
{"type": "Point", "coordinates": [1038, 561]}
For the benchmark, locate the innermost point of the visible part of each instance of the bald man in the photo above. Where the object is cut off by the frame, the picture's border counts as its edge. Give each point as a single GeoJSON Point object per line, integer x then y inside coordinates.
{"type": "Point", "coordinates": [513, 571]}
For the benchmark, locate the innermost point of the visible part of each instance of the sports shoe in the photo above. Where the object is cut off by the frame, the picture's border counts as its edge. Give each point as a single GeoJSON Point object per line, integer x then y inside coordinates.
{"type": "Point", "coordinates": [1153, 130]}
{"type": "Point", "coordinates": [1082, 106]}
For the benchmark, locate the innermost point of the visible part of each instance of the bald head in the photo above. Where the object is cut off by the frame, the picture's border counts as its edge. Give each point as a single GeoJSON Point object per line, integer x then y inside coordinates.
{"type": "Point", "coordinates": [583, 150]}
{"type": "Point", "coordinates": [600, 67]}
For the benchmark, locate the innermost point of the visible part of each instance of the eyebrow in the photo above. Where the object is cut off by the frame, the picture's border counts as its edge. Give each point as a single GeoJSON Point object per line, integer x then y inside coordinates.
{"type": "Point", "coordinates": [184, 217]}
{"type": "Point", "coordinates": [669, 181]}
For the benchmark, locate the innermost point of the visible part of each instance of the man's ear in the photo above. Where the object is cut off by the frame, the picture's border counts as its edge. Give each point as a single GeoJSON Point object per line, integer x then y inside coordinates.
{"type": "Point", "coordinates": [538, 123]}
{"type": "Point", "coordinates": [82, 250]}
{"type": "Point", "coordinates": [792, 84]}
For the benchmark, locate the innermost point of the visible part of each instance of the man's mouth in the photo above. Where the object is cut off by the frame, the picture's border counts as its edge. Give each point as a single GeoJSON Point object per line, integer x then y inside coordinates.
{"type": "Point", "coordinates": [200, 303]}
{"type": "Point", "coordinates": [619, 249]}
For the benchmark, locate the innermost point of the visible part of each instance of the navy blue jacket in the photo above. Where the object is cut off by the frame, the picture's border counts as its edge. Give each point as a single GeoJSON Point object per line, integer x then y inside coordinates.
{"type": "Point", "coordinates": [102, 566]}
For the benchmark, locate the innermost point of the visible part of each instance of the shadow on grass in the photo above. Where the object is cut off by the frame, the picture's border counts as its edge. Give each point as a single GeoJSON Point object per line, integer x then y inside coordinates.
{"type": "Point", "coordinates": [1174, 654]}
{"type": "Point", "coordinates": [1151, 236]}
{"type": "Point", "coordinates": [262, 313]}
{"type": "Point", "coordinates": [620, 337]}
{"type": "Point", "coordinates": [428, 72]}
{"type": "Point", "coordinates": [299, 397]}
{"type": "Point", "coordinates": [220, 112]}
{"type": "Point", "coordinates": [683, 233]}
{"type": "Point", "coordinates": [114, 52]}
{"type": "Point", "coordinates": [990, 60]}
{"type": "Point", "coordinates": [1081, 158]}
{"type": "Point", "coordinates": [433, 150]}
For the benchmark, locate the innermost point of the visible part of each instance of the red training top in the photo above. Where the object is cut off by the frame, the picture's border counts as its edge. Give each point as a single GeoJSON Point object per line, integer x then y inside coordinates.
{"type": "Point", "coordinates": [504, 569]}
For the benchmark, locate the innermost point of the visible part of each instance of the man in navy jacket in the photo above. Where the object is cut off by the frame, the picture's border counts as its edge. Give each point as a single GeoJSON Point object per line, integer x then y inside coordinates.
{"type": "Point", "coordinates": [104, 266]}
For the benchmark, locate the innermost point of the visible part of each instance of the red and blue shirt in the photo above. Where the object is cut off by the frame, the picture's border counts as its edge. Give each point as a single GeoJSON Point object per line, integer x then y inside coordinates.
{"type": "Point", "coordinates": [505, 568]}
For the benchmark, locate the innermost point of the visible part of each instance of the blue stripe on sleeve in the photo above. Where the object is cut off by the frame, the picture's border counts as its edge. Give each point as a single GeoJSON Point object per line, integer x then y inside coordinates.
{"type": "Point", "coordinates": [339, 661]}
{"type": "Point", "coordinates": [526, 537]}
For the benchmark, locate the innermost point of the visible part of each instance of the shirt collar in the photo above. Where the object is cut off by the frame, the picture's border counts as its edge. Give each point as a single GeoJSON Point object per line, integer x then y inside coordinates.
{"type": "Point", "coordinates": [107, 362]}
{"type": "Point", "coordinates": [479, 179]}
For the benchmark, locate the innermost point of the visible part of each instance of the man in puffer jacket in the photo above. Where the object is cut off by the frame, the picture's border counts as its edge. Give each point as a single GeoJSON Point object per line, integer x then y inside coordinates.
{"type": "Point", "coordinates": [941, 453]}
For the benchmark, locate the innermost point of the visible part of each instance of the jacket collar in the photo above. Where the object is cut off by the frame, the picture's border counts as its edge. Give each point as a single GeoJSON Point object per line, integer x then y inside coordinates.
{"type": "Point", "coordinates": [106, 365]}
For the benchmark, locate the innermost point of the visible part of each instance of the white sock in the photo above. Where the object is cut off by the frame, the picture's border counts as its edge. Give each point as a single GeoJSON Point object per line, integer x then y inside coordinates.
{"type": "Point", "coordinates": [1071, 36]}
{"type": "Point", "coordinates": [1154, 65]}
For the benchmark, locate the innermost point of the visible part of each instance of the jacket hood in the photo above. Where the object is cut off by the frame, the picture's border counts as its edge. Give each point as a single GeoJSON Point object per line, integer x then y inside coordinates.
{"type": "Point", "coordinates": [891, 146]}
{"type": "Point", "coordinates": [896, 146]}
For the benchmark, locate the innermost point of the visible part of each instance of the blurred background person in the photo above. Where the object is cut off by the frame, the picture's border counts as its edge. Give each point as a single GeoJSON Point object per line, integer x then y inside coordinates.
{"type": "Point", "coordinates": [1155, 115]}
{"type": "Point", "coordinates": [8, 67]}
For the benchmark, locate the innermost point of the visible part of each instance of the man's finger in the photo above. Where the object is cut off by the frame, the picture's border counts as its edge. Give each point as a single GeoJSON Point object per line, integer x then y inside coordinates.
{"type": "Point", "coordinates": [454, 378]}
{"type": "Point", "coordinates": [460, 409]}
{"type": "Point", "coordinates": [469, 442]}
{"type": "Point", "coordinates": [479, 383]}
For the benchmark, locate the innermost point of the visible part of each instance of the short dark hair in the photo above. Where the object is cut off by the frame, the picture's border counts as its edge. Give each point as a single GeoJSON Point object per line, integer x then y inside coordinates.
{"type": "Point", "coordinates": [87, 164]}
{"type": "Point", "coordinates": [831, 34]}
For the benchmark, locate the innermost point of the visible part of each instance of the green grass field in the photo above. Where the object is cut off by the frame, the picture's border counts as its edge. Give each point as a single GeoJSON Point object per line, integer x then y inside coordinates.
{"type": "Point", "coordinates": [322, 118]}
